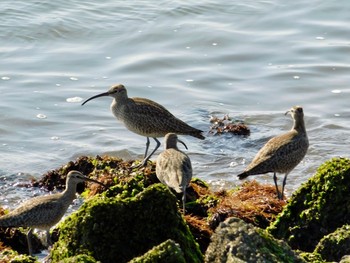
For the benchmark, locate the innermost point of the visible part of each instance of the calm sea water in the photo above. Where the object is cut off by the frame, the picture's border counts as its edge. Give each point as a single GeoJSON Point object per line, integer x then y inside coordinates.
{"type": "Point", "coordinates": [252, 60]}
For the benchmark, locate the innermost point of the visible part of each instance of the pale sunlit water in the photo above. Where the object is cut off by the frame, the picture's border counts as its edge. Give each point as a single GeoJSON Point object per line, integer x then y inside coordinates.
{"type": "Point", "coordinates": [252, 60]}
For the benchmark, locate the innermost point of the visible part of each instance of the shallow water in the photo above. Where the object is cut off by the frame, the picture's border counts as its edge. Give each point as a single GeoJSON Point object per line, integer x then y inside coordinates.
{"type": "Point", "coordinates": [251, 60]}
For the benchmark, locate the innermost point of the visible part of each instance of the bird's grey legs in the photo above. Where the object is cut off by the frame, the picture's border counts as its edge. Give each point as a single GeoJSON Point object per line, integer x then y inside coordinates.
{"type": "Point", "coordinates": [284, 183]}
{"type": "Point", "coordinates": [147, 157]}
{"type": "Point", "coordinates": [48, 238]}
{"type": "Point", "coordinates": [147, 145]}
{"type": "Point", "coordinates": [29, 242]}
{"type": "Point", "coordinates": [184, 201]}
{"type": "Point", "coordinates": [278, 192]}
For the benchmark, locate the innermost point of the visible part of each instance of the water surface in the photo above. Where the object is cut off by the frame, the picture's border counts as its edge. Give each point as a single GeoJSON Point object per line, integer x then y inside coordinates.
{"type": "Point", "coordinates": [251, 60]}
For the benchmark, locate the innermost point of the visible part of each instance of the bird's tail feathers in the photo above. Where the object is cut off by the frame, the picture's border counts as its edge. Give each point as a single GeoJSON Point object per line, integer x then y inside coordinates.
{"type": "Point", "coordinates": [243, 175]}
{"type": "Point", "coordinates": [198, 135]}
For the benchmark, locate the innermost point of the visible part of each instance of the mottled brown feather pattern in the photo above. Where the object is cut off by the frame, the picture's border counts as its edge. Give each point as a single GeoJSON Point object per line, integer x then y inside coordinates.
{"type": "Point", "coordinates": [173, 167]}
{"type": "Point", "coordinates": [282, 153]}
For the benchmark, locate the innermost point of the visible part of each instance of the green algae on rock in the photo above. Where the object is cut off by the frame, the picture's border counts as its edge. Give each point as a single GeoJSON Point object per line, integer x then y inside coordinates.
{"type": "Point", "coordinates": [81, 258]}
{"type": "Point", "coordinates": [317, 208]}
{"type": "Point", "coordinates": [8, 255]}
{"type": "Point", "coordinates": [168, 252]}
{"type": "Point", "coordinates": [117, 226]}
{"type": "Point", "coordinates": [236, 241]}
{"type": "Point", "coordinates": [335, 245]}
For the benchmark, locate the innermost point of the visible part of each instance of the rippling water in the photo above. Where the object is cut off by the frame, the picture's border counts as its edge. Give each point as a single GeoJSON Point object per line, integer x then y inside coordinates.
{"type": "Point", "coordinates": [251, 60]}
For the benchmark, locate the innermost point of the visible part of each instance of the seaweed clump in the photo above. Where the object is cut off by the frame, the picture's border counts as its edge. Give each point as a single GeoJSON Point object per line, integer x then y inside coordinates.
{"type": "Point", "coordinates": [227, 125]}
{"type": "Point", "coordinates": [254, 203]}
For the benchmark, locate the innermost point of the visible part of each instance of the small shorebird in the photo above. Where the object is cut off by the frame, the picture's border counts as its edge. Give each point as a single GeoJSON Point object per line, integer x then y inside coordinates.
{"type": "Point", "coordinates": [145, 117]}
{"type": "Point", "coordinates": [173, 167]}
{"type": "Point", "coordinates": [282, 153]}
{"type": "Point", "coordinates": [43, 212]}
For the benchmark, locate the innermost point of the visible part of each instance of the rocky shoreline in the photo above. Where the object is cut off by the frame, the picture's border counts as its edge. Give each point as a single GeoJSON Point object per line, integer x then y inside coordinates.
{"type": "Point", "coordinates": [137, 219]}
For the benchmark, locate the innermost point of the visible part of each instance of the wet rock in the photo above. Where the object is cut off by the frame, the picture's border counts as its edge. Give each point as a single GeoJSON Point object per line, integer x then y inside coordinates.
{"type": "Point", "coordinates": [16, 239]}
{"type": "Point", "coordinates": [123, 223]}
{"type": "Point", "coordinates": [335, 245]}
{"type": "Point", "coordinates": [345, 259]}
{"type": "Point", "coordinates": [167, 251]}
{"type": "Point", "coordinates": [317, 208]}
{"type": "Point", "coordinates": [236, 241]}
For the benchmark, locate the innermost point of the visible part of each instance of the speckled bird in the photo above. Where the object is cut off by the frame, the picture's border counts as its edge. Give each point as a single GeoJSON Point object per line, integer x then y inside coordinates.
{"type": "Point", "coordinates": [173, 167]}
{"type": "Point", "coordinates": [145, 117]}
{"type": "Point", "coordinates": [282, 153]}
{"type": "Point", "coordinates": [43, 212]}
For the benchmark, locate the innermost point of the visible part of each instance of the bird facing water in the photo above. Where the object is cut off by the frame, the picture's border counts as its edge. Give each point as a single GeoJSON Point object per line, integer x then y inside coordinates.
{"type": "Point", "coordinates": [145, 117]}
{"type": "Point", "coordinates": [43, 212]}
{"type": "Point", "coordinates": [282, 153]}
{"type": "Point", "coordinates": [173, 167]}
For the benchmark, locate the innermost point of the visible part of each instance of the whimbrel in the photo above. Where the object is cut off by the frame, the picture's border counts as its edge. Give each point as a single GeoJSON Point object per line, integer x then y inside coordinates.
{"type": "Point", "coordinates": [43, 212]}
{"type": "Point", "coordinates": [173, 167]}
{"type": "Point", "coordinates": [282, 153]}
{"type": "Point", "coordinates": [145, 117]}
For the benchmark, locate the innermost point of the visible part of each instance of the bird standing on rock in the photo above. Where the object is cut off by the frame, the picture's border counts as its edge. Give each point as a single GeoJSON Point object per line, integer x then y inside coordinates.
{"type": "Point", "coordinates": [173, 167]}
{"type": "Point", "coordinates": [282, 153]}
{"type": "Point", "coordinates": [145, 117]}
{"type": "Point", "coordinates": [43, 212]}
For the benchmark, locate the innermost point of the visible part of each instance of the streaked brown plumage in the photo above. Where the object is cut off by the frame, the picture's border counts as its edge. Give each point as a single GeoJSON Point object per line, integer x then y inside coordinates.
{"type": "Point", "coordinates": [282, 153]}
{"type": "Point", "coordinates": [173, 167]}
{"type": "Point", "coordinates": [43, 212]}
{"type": "Point", "coordinates": [145, 117]}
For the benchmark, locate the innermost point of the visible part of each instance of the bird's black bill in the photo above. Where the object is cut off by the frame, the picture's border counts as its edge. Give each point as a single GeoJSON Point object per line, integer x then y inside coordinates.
{"type": "Point", "coordinates": [96, 96]}
{"type": "Point", "coordinates": [94, 181]}
{"type": "Point", "coordinates": [183, 143]}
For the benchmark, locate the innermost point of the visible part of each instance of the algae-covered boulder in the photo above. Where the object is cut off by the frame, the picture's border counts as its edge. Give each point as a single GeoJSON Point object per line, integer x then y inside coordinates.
{"type": "Point", "coordinates": [335, 245]}
{"type": "Point", "coordinates": [236, 241]}
{"type": "Point", "coordinates": [118, 226]}
{"type": "Point", "coordinates": [167, 252]}
{"type": "Point", "coordinates": [345, 259]}
{"type": "Point", "coordinates": [9, 255]}
{"type": "Point", "coordinates": [82, 258]}
{"type": "Point", "coordinates": [317, 208]}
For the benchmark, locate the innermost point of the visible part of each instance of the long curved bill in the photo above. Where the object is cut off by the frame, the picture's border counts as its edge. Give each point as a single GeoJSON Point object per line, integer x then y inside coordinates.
{"type": "Point", "coordinates": [96, 96]}
{"type": "Point", "coordinates": [94, 181]}
{"type": "Point", "coordinates": [182, 143]}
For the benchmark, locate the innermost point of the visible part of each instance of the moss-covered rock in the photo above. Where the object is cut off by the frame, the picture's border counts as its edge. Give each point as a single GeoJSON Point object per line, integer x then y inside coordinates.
{"type": "Point", "coordinates": [317, 208]}
{"type": "Point", "coordinates": [82, 258]}
{"type": "Point", "coordinates": [8, 255]}
{"type": "Point", "coordinates": [345, 259]}
{"type": "Point", "coordinates": [125, 223]}
{"type": "Point", "coordinates": [335, 245]}
{"type": "Point", "coordinates": [312, 257]}
{"type": "Point", "coordinates": [236, 241]}
{"type": "Point", "coordinates": [167, 252]}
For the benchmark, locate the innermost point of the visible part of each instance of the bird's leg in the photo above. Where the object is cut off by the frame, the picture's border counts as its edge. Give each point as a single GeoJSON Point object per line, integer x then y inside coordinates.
{"type": "Point", "coordinates": [29, 242]}
{"type": "Point", "coordinates": [145, 160]}
{"type": "Point", "coordinates": [278, 192]}
{"type": "Point", "coordinates": [184, 201]}
{"type": "Point", "coordinates": [284, 183]}
{"type": "Point", "coordinates": [48, 238]}
{"type": "Point", "coordinates": [144, 157]}
{"type": "Point", "coordinates": [147, 145]}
